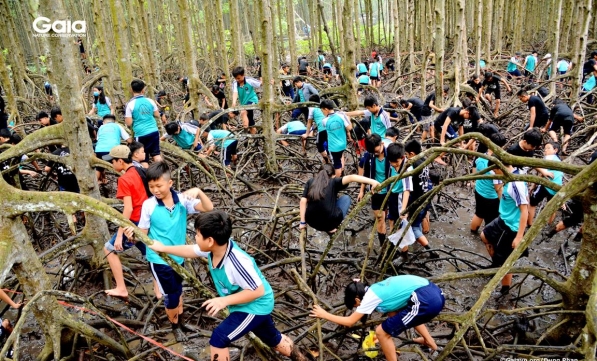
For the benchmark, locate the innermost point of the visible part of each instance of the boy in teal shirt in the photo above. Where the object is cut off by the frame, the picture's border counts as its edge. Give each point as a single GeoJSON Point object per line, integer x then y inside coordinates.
{"type": "Point", "coordinates": [241, 288]}
{"type": "Point", "coordinates": [541, 192]}
{"type": "Point", "coordinates": [185, 135]}
{"type": "Point", "coordinates": [164, 218]}
{"type": "Point", "coordinates": [338, 129]}
{"type": "Point", "coordinates": [243, 91]}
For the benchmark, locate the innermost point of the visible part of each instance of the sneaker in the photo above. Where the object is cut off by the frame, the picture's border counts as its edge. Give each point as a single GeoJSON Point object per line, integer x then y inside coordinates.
{"type": "Point", "coordinates": [433, 255]}
{"type": "Point", "coordinates": [433, 354]}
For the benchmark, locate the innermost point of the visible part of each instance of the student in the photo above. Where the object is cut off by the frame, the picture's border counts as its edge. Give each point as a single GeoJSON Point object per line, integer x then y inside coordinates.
{"type": "Point", "coordinates": [6, 299]}
{"type": "Point", "coordinates": [391, 108]}
{"type": "Point", "coordinates": [550, 150]}
{"type": "Point", "coordinates": [491, 85]}
{"type": "Point", "coordinates": [391, 137]}
{"type": "Point", "coordinates": [101, 103]}
{"type": "Point", "coordinates": [258, 67]}
{"type": "Point", "coordinates": [475, 83]}
{"type": "Point", "coordinates": [6, 326]}
{"type": "Point", "coordinates": [164, 218]}
{"type": "Point", "coordinates": [220, 97]}
{"type": "Point", "coordinates": [132, 191]}
{"type": "Point", "coordinates": [81, 48]}
{"type": "Point", "coordinates": [361, 69]}
{"type": "Point", "coordinates": [137, 153]}
{"type": "Point", "coordinates": [415, 107]}
{"type": "Point", "coordinates": [142, 115]}
{"type": "Point", "coordinates": [48, 90]}
{"type": "Point", "coordinates": [56, 116]}
{"type": "Point", "coordinates": [531, 140]}
{"type": "Point", "coordinates": [338, 129]}
{"type": "Point", "coordinates": [487, 191]}
{"type": "Point", "coordinates": [563, 66]}
{"type": "Point", "coordinates": [530, 64]}
{"type": "Point", "coordinates": [421, 183]}
{"type": "Point", "coordinates": [380, 119]}
{"type": "Point", "coordinates": [241, 288]}
{"type": "Point", "coordinates": [185, 135]}
{"type": "Point", "coordinates": [429, 108]}
{"type": "Point", "coordinates": [67, 181]}
{"type": "Point", "coordinates": [548, 65]}
{"type": "Point", "coordinates": [225, 141]}
{"type": "Point", "coordinates": [304, 91]}
{"type": "Point", "coordinates": [221, 81]}
{"type": "Point", "coordinates": [304, 68]}
{"type": "Point", "coordinates": [375, 165]}
{"type": "Point", "coordinates": [589, 66]}
{"type": "Point", "coordinates": [109, 136]}
{"type": "Point", "coordinates": [400, 190]}
{"type": "Point", "coordinates": [320, 206]}
{"type": "Point", "coordinates": [316, 116]}
{"type": "Point", "coordinates": [504, 233]}
{"type": "Point", "coordinates": [243, 91]}
{"type": "Point", "coordinates": [513, 65]}
{"type": "Point", "coordinates": [44, 119]}
{"type": "Point", "coordinates": [222, 122]}
{"type": "Point", "coordinates": [159, 99]}
{"type": "Point", "coordinates": [560, 116]}
{"type": "Point", "coordinates": [374, 72]}
{"type": "Point", "coordinates": [327, 72]}
{"type": "Point", "coordinates": [589, 85]}
{"type": "Point", "coordinates": [286, 84]}
{"type": "Point", "coordinates": [390, 64]}
{"type": "Point", "coordinates": [409, 301]}
{"type": "Point", "coordinates": [452, 119]}
{"type": "Point", "coordinates": [363, 79]}
{"type": "Point", "coordinates": [539, 115]}
{"type": "Point", "coordinates": [293, 127]}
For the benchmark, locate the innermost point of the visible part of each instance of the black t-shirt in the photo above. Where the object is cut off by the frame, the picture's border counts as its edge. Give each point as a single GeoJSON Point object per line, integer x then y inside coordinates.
{"type": "Point", "coordinates": [303, 64]}
{"type": "Point", "coordinates": [66, 179]}
{"type": "Point", "coordinates": [475, 86]}
{"type": "Point", "coordinates": [390, 62]}
{"type": "Point", "coordinates": [561, 112]}
{"type": "Point", "coordinates": [221, 99]}
{"type": "Point", "coordinates": [489, 129]}
{"type": "Point", "coordinates": [517, 150]}
{"type": "Point", "coordinates": [588, 66]}
{"type": "Point", "coordinates": [493, 84]}
{"type": "Point", "coordinates": [421, 182]}
{"type": "Point", "coordinates": [426, 111]}
{"type": "Point", "coordinates": [456, 120]}
{"type": "Point", "coordinates": [258, 65]}
{"type": "Point", "coordinates": [323, 215]}
{"type": "Point", "coordinates": [217, 124]}
{"type": "Point", "coordinates": [541, 112]}
{"type": "Point", "coordinates": [417, 108]}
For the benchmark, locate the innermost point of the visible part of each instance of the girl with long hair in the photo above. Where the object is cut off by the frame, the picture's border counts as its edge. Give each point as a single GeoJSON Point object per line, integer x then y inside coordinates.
{"type": "Point", "coordinates": [101, 103]}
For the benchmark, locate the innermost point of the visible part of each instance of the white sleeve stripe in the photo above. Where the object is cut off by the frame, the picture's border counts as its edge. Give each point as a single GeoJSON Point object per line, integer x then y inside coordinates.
{"type": "Point", "coordinates": [241, 270]}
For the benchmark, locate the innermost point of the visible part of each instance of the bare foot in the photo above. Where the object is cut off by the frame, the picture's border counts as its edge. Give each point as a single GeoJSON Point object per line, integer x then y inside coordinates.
{"type": "Point", "coordinates": [420, 341]}
{"type": "Point", "coordinates": [115, 292]}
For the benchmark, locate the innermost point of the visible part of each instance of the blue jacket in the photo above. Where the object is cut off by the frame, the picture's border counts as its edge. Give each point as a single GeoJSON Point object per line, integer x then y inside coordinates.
{"type": "Point", "coordinates": [308, 90]}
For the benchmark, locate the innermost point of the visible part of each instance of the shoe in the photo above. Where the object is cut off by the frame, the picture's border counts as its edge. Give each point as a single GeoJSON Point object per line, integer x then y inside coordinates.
{"type": "Point", "coordinates": [433, 255]}
{"type": "Point", "coordinates": [577, 237]}
{"type": "Point", "coordinates": [179, 336]}
{"type": "Point", "coordinates": [434, 353]}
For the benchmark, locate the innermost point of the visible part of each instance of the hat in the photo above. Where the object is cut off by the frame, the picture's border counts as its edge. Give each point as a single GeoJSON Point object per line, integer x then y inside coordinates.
{"type": "Point", "coordinates": [118, 152]}
{"type": "Point", "coordinates": [547, 56]}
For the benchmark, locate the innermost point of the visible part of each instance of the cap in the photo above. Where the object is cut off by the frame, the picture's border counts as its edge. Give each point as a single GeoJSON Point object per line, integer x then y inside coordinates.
{"type": "Point", "coordinates": [547, 56]}
{"type": "Point", "coordinates": [118, 152]}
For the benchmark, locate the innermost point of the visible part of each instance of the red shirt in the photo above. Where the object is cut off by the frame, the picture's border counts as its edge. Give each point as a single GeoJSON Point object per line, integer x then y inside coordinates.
{"type": "Point", "coordinates": [131, 185]}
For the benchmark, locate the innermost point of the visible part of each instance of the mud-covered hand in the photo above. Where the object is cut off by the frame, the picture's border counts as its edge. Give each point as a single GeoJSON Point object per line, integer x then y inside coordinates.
{"type": "Point", "coordinates": [214, 305]}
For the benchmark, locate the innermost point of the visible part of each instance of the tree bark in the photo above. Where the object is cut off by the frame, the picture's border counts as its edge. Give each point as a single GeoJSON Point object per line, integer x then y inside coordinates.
{"type": "Point", "coordinates": [580, 46]}
{"type": "Point", "coordinates": [439, 43]}
{"type": "Point", "coordinates": [236, 31]}
{"type": "Point", "coordinates": [123, 52]}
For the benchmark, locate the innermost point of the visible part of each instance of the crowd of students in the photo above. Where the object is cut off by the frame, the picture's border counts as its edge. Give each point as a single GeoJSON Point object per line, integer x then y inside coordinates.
{"type": "Point", "coordinates": [159, 211]}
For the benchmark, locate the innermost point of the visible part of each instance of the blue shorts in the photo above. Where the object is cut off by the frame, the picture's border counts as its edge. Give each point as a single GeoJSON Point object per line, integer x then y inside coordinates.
{"type": "Point", "coordinates": [394, 205]}
{"type": "Point", "coordinates": [424, 304]}
{"type": "Point", "coordinates": [151, 144]}
{"type": "Point", "coordinates": [229, 151]}
{"type": "Point", "coordinates": [238, 324]}
{"type": "Point", "coordinates": [515, 73]}
{"type": "Point", "coordinates": [169, 283]}
{"type": "Point", "coordinates": [337, 159]}
{"type": "Point", "coordinates": [450, 132]}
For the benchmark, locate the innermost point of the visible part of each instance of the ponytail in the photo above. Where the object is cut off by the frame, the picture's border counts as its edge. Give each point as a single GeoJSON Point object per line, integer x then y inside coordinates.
{"type": "Point", "coordinates": [355, 289]}
{"type": "Point", "coordinates": [320, 182]}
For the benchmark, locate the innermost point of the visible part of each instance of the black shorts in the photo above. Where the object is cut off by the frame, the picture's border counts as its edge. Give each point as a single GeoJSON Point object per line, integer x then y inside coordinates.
{"type": "Point", "coordinates": [337, 159]}
{"type": "Point", "coordinates": [376, 201]}
{"type": "Point", "coordinates": [539, 194]}
{"type": "Point", "coordinates": [303, 72]}
{"type": "Point", "coordinates": [322, 138]}
{"type": "Point", "coordinates": [374, 77]}
{"type": "Point", "coordinates": [500, 236]}
{"type": "Point", "coordinates": [394, 206]}
{"type": "Point", "coordinates": [229, 151]}
{"type": "Point", "coordinates": [495, 91]}
{"type": "Point", "coordinates": [151, 143]}
{"type": "Point", "coordinates": [565, 123]}
{"type": "Point", "coordinates": [169, 283]}
{"type": "Point", "coordinates": [486, 208]}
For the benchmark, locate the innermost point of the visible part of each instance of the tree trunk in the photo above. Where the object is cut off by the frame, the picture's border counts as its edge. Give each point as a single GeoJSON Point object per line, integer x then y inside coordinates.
{"type": "Point", "coordinates": [479, 20]}
{"type": "Point", "coordinates": [17, 60]}
{"type": "Point", "coordinates": [500, 28]}
{"type": "Point", "coordinates": [149, 38]}
{"type": "Point", "coordinates": [123, 51]}
{"type": "Point", "coordinates": [236, 31]}
{"type": "Point", "coordinates": [439, 43]}
{"type": "Point", "coordinates": [411, 42]}
{"type": "Point", "coordinates": [395, 15]}
{"type": "Point", "coordinates": [556, 24]}
{"type": "Point", "coordinates": [105, 60]}
{"type": "Point", "coordinates": [488, 21]}
{"type": "Point", "coordinates": [222, 44]}
{"type": "Point", "coordinates": [580, 46]}
{"type": "Point", "coordinates": [460, 52]}
{"type": "Point", "coordinates": [349, 63]}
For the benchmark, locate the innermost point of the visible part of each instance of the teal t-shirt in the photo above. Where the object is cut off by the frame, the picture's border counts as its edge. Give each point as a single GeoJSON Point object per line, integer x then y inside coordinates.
{"type": "Point", "coordinates": [364, 80]}
{"type": "Point", "coordinates": [295, 125]}
{"type": "Point", "coordinates": [301, 95]}
{"type": "Point", "coordinates": [246, 93]}
{"type": "Point", "coordinates": [484, 187]}
{"type": "Point", "coordinates": [184, 139]}
{"type": "Point", "coordinates": [263, 305]}
{"type": "Point", "coordinates": [513, 195]}
{"type": "Point", "coordinates": [218, 135]}
{"type": "Point", "coordinates": [142, 113]}
{"type": "Point", "coordinates": [170, 228]}
{"type": "Point", "coordinates": [336, 133]}
{"type": "Point", "coordinates": [380, 172]}
{"type": "Point", "coordinates": [531, 63]}
{"type": "Point", "coordinates": [589, 84]}
{"type": "Point", "coordinates": [102, 109]}
{"type": "Point", "coordinates": [511, 66]}
{"type": "Point", "coordinates": [395, 292]}
{"type": "Point", "coordinates": [318, 117]}
{"type": "Point", "coordinates": [108, 136]}
{"type": "Point", "coordinates": [404, 183]}
{"type": "Point", "coordinates": [374, 69]}
{"type": "Point", "coordinates": [361, 68]}
{"type": "Point", "coordinates": [558, 176]}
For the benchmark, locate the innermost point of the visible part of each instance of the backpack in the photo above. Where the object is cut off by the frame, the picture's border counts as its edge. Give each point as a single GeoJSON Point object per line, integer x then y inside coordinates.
{"type": "Point", "coordinates": [143, 175]}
